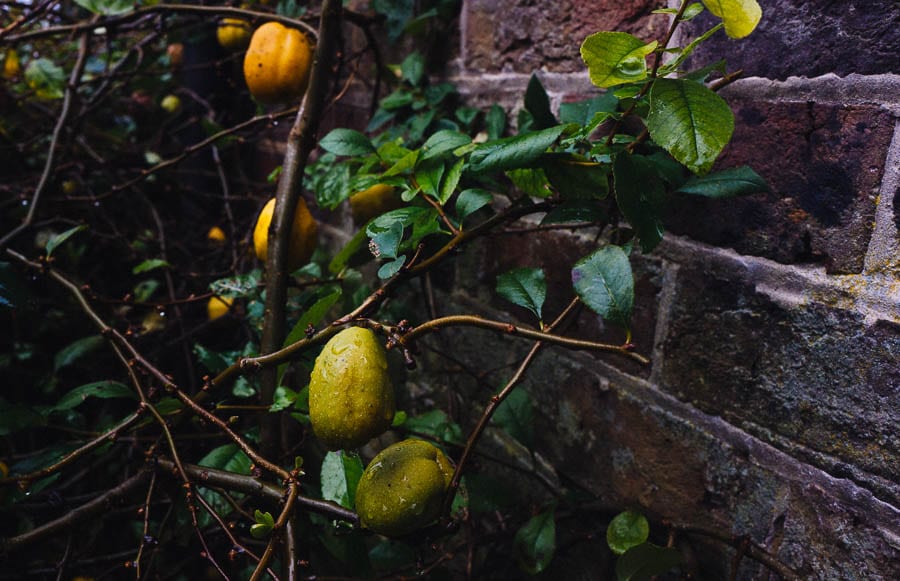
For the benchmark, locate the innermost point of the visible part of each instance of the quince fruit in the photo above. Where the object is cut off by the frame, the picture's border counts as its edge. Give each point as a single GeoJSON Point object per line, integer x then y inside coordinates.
{"type": "Point", "coordinates": [170, 103]}
{"type": "Point", "coordinates": [403, 487]}
{"type": "Point", "coordinates": [217, 307]}
{"type": "Point", "coordinates": [233, 34]}
{"type": "Point", "coordinates": [277, 63]}
{"type": "Point", "coordinates": [351, 399]}
{"type": "Point", "coordinates": [303, 234]}
{"type": "Point", "coordinates": [373, 201]}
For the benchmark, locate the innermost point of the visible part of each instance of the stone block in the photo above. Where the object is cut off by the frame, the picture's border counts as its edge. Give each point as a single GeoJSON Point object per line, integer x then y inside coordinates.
{"type": "Point", "coordinates": [824, 165]}
{"type": "Point", "coordinates": [809, 38]}
{"type": "Point", "coordinates": [525, 36]}
{"type": "Point", "coordinates": [809, 378]}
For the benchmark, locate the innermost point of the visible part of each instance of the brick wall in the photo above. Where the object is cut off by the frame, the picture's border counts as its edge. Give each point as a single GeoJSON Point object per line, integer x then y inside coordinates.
{"type": "Point", "coordinates": [772, 406]}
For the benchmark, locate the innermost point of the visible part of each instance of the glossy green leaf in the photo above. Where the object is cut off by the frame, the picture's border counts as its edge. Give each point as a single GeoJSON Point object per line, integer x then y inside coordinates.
{"type": "Point", "coordinates": [312, 316]}
{"type": "Point", "coordinates": [538, 104]}
{"type": "Point", "coordinates": [577, 179]}
{"type": "Point", "coordinates": [628, 529]}
{"type": "Point", "coordinates": [437, 424]}
{"type": "Point", "coordinates": [516, 416]}
{"type": "Point", "coordinates": [349, 142]}
{"type": "Point", "coordinates": [227, 457]}
{"type": "Point", "coordinates": [451, 180]}
{"type": "Point", "coordinates": [470, 201]}
{"type": "Point", "coordinates": [532, 181]}
{"type": "Point", "coordinates": [525, 287]}
{"type": "Point", "coordinates": [614, 58]}
{"type": "Point", "coordinates": [689, 121]}
{"type": "Point", "coordinates": [535, 543]}
{"type": "Point", "coordinates": [429, 175]}
{"type": "Point", "coordinates": [739, 181]}
{"type": "Point", "coordinates": [389, 269]}
{"type": "Point", "coordinates": [442, 142]}
{"type": "Point", "coordinates": [340, 475]}
{"type": "Point", "coordinates": [513, 152]}
{"type": "Point", "coordinates": [740, 16]}
{"type": "Point", "coordinates": [645, 561]}
{"type": "Point", "coordinates": [605, 283]}
{"type": "Point", "coordinates": [585, 112]}
{"type": "Point", "coordinates": [495, 122]}
{"type": "Point", "coordinates": [58, 239]}
{"type": "Point", "coordinates": [150, 264]}
{"type": "Point", "coordinates": [98, 389]}
{"type": "Point", "coordinates": [73, 351]}
{"type": "Point", "coordinates": [639, 194]}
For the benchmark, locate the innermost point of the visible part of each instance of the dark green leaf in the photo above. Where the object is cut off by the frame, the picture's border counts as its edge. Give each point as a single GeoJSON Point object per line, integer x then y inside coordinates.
{"type": "Point", "coordinates": [628, 529]}
{"type": "Point", "coordinates": [107, 7]}
{"type": "Point", "coordinates": [605, 283]}
{"type": "Point", "coordinates": [149, 265]}
{"type": "Point", "coordinates": [13, 291]}
{"type": "Point", "coordinates": [516, 416]}
{"type": "Point", "coordinates": [98, 389]}
{"type": "Point", "coordinates": [213, 362]}
{"type": "Point", "coordinates": [413, 67]}
{"type": "Point", "coordinates": [340, 260]}
{"type": "Point", "coordinates": [442, 142]}
{"type": "Point", "coordinates": [577, 179]}
{"type": "Point", "coordinates": [397, 99]}
{"type": "Point", "coordinates": [228, 457]}
{"type": "Point", "coordinates": [327, 297]}
{"type": "Point", "coordinates": [538, 104]}
{"type": "Point", "coordinates": [531, 181]}
{"type": "Point", "coordinates": [237, 287]}
{"type": "Point", "coordinates": [74, 350]}
{"type": "Point", "coordinates": [145, 289]}
{"type": "Point", "coordinates": [346, 142]}
{"type": "Point", "coordinates": [739, 181]}
{"type": "Point", "coordinates": [340, 475]}
{"type": "Point", "coordinates": [58, 239]}
{"type": "Point", "coordinates": [45, 78]}
{"type": "Point", "coordinates": [639, 194]}
{"type": "Point", "coordinates": [535, 543]}
{"type": "Point", "coordinates": [14, 417]}
{"type": "Point", "coordinates": [577, 211]}
{"type": "Point", "coordinates": [614, 58]}
{"type": "Point", "coordinates": [525, 287]}
{"type": "Point", "coordinates": [470, 201]}
{"type": "Point", "coordinates": [513, 152]}
{"type": "Point", "coordinates": [334, 186]}
{"type": "Point", "coordinates": [386, 236]}
{"type": "Point", "coordinates": [584, 112]}
{"type": "Point", "coordinates": [690, 121]}
{"type": "Point", "coordinates": [391, 268]}
{"type": "Point", "coordinates": [495, 122]}
{"type": "Point", "coordinates": [644, 561]}
{"type": "Point", "coordinates": [437, 424]}
{"type": "Point", "coordinates": [283, 398]}
{"type": "Point", "coordinates": [451, 180]}
{"type": "Point", "coordinates": [429, 175]}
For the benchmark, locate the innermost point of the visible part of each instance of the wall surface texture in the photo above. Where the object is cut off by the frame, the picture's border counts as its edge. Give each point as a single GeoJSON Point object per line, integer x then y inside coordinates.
{"type": "Point", "coordinates": [772, 405]}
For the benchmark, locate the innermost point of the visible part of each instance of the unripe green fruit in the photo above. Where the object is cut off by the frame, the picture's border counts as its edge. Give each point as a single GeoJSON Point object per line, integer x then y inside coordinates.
{"type": "Point", "coordinates": [403, 487]}
{"type": "Point", "coordinates": [351, 399]}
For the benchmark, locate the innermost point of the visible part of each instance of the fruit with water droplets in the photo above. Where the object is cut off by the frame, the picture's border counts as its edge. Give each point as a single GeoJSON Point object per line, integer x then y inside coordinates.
{"type": "Point", "coordinates": [403, 487]}
{"type": "Point", "coordinates": [351, 399]}
{"type": "Point", "coordinates": [303, 234]}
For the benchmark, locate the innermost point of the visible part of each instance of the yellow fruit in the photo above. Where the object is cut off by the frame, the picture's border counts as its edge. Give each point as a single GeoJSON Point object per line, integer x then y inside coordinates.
{"type": "Point", "coordinates": [4, 469]}
{"type": "Point", "coordinates": [351, 399]}
{"type": "Point", "coordinates": [69, 187]}
{"type": "Point", "coordinates": [373, 202]}
{"type": "Point", "coordinates": [217, 307]}
{"type": "Point", "coordinates": [403, 487]}
{"type": "Point", "coordinates": [170, 103]}
{"type": "Point", "coordinates": [216, 235]}
{"type": "Point", "coordinates": [277, 63]}
{"type": "Point", "coordinates": [303, 234]}
{"type": "Point", "coordinates": [233, 34]}
{"type": "Point", "coordinates": [11, 66]}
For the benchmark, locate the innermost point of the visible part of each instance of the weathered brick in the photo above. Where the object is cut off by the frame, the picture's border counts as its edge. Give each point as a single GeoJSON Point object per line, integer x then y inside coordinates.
{"type": "Point", "coordinates": [809, 377]}
{"type": "Point", "coordinates": [524, 35]}
{"type": "Point", "coordinates": [823, 164]}
{"type": "Point", "coordinates": [810, 38]}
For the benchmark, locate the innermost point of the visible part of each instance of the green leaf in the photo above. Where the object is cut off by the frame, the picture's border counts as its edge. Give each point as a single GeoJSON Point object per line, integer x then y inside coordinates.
{"type": "Point", "coordinates": [405, 163]}
{"type": "Point", "coordinates": [264, 524]}
{"type": "Point", "coordinates": [340, 475]}
{"type": "Point", "coordinates": [228, 457]}
{"type": "Point", "coordinates": [442, 142]}
{"type": "Point", "coordinates": [389, 269]}
{"type": "Point", "coordinates": [525, 287]}
{"type": "Point", "coordinates": [644, 561]}
{"type": "Point", "coordinates": [577, 179]}
{"type": "Point", "coordinates": [692, 11]}
{"type": "Point", "coordinates": [585, 112]}
{"type": "Point", "coordinates": [740, 16]}
{"type": "Point", "coordinates": [535, 543]}
{"type": "Point", "coordinates": [538, 104]}
{"type": "Point", "coordinates": [429, 175]}
{"type": "Point", "coordinates": [533, 182]}
{"type": "Point", "coordinates": [628, 529]}
{"type": "Point", "coordinates": [614, 58]}
{"type": "Point", "coordinates": [437, 424]}
{"type": "Point", "coordinates": [45, 78]}
{"type": "Point", "coordinates": [689, 121]}
{"type": "Point", "coordinates": [513, 152]}
{"type": "Point", "coordinates": [67, 355]}
{"type": "Point", "coordinates": [213, 361]}
{"type": "Point", "coordinates": [342, 258]}
{"type": "Point", "coordinates": [328, 296]}
{"type": "Point", "coordinates": [413, 67]}
{"type": "Point", "coordinates": [495, 122]}
{"type": "Point", "coordinates": [605, 283]}
{"type": "Point", "coordinates": [386, 237]}
{"type": "Point", "coordinates": [639, 194]}
{"type": "Point", "coordinates": [150, 264]}
{"type": "Point", "coordinates": [14, 417]}
{"type": "Point", "coordinates": [107, 7]}
{"type": "Point", "coordinates": [98, 389]}
{"type": "Point", "coordinates": [334, 186]}
{"type": "Point", "coordinates": [58, 239]}
{"type": "Point", "coordinates": [145, 289]}
{"type": "Point", "coordinates": [739, 181]}
{"type": "Point", "coordinates": [346, 142]}
{"type": "Point", "coordinates": [283, 398]}
{"type": "Point", "coordinates": [470, 201]}
{"type": "Point", "coordinates": [577, 211]}
{"type": "Point", "coordinates": [237, 287]}
{"type": "Point", "coordinates": [516, 416]}
{"type": "Point", "coordinates": [451, 180]}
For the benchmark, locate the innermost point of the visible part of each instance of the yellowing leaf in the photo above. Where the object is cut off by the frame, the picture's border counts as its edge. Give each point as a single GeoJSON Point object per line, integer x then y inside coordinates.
{"type": "Point", "coordinates": [739, 16]}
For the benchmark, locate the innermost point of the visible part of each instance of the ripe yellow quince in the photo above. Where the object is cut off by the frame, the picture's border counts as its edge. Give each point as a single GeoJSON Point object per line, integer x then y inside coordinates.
{"type": "Point", "coordinates": [233, 34]}
{"type": "Point", "coordinates": [403, 487]}
{"type": "Point", "coordinates": [216, 235]}
{"type": "Point", "coordinates": [303, 234]}
{"type": "Point", "coordinates": [277, 63]}
{"type": "Point", "coordinates": [218, 307]}
{"type": "Point", "coordinates": [373, 201]}
{"type": "Point", "coordinates": [351, 399]}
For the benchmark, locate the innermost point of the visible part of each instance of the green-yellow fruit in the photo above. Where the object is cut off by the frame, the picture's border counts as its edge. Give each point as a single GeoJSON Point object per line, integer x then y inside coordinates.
{"type": "Point", "coordinates": [233, 34]}
{"type": "Point", "coordinates": [373, 201]}
{"type": "Point", "coordinates": [170, 103]}
{"type": "Point", "coordinates": [403, 487]}
{"type": "Point", "coordinates": [351, 399]}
